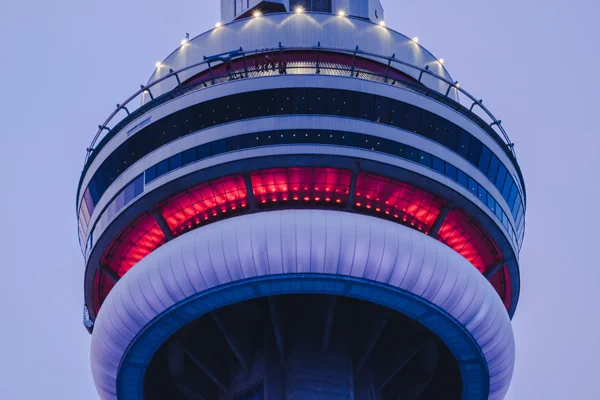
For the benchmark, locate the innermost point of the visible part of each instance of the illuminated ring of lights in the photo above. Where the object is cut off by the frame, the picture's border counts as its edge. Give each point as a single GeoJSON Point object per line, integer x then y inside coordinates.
{"type": "Point", "coordinates": [284, 252]}
{"type": "Point", "coordinates": [226, 196]}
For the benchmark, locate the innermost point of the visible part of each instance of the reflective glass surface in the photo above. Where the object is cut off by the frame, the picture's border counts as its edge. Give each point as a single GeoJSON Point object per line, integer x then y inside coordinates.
{"type": "Point", "coordinates": [294, 101]}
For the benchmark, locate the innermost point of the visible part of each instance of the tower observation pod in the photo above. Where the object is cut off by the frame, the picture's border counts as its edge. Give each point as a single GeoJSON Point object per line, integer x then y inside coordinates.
{"type": "Point", "coordinates": [301, 203]}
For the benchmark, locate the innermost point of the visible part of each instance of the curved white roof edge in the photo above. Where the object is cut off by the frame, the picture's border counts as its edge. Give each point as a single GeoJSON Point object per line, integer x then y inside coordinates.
{"type": "Point", "coordinates": [298, 30]}
{"type": "Point", "coordinates": [302, 241]}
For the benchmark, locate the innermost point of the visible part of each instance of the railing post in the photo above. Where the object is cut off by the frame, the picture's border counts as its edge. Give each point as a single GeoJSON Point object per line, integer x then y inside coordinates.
{"type": "Point", "coordinates": [176, 76]}
{"type": "Point", "coordinates": [124, 108]}
{"type": "Point", "coordinates": [212, 78]}
{"type": "Point", "coordinates": [422, 72]}
{"type": "Point", "coordinates": [249, 192]}
{"type": "Point", "coordinates": [145, 89]}
{"type": "Point", "coordinates": [353, 61]}
{"type": "Point", "coordinates": [450, 87]}
{"type": "Point", "coordinates": [318, 55]}
{"type": "Point", "coordinates": [387, 69]}
{"type": "Point", "coordinates": [480, 102]}
{"type": "Point", "coordinates": [245, 65]}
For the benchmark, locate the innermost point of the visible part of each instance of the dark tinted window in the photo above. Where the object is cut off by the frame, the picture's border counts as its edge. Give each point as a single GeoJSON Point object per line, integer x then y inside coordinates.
{"type": "Point", "coordinates": [294, 101]}
{"type": "Point", "coordinates": [493, 169]}
{"type": "Point", "coordinates": [162, 168]}
{"type": "Point", "coordinates": [462, 179]}
{"type": "Point", "coordinates": [484, 160]}
{"type": "Point", "coordinates": [451, 171]}
{"type": "Point", "coordinates": [189, 156]}
{"type": "Point", "coordinates": [425, 159]}
{"type": "Point", "coordinates": [438, 165]}
{"type": "Point", "coordinates": [312, 5]}
{"type": "Point", "coordinates": [175, 161]}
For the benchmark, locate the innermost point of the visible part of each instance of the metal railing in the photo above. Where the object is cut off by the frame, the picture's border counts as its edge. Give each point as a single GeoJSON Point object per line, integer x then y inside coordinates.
{"type": "Point", "coordinates": [443, 89]}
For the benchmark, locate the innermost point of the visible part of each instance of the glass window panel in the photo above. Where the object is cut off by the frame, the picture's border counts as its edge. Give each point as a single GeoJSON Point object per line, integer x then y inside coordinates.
{"type": "Point", "coordinates": [189, 156]}
{"type": "Point", "coordinates": [382, 110]}
{"type": "Point", "coordinates": [513, 196]}
{"type": "Point", "coordinates": [464, 143]}
{"type": "Point", "coordinates": [316, 105]}
{"type": "Point", "coordinates": [473, 186]}
{"type": "Point", "coordinates": [517, 207]}
{"type": "Point", "coordinates": [482, 194]}
{"type": "Point", "coordinates": [412, 153]}
{"type": "Point", "coordinates": [425, 159]}
{"type": "Point", "coordinates": [463, 179]}
{"type": "Point", "coordinates": [500, 178]}
{"type": "Point", "coordinates": [283, 137]}
{"type": "Point", "coordinates": [426, 124]}
{"type": "Point", "coordinates": [438, 165]}
{"type": "Point", "coordinates": [366, 106]}
{"type": "Point", "coordinates": [491, 203]}
{"type": "Point", "coordinates": [397, 113]}
{"type": "Point", "coordinates": [412, 115]}
{"type": "Point", "coordinates": [451, 136]}
{"type": "Point", "coordinates": [508, 187]}
{"type": "Point", "coordinates": [283, 102]}
{"type": "Point", "coordinates": [203, 151]}
{"type": "Point", "coordinates": [162, 168]}
{"type": "Point", "coordinates": [138, 185]}
{"type": "Point", "coordinates": [451, 171]}
{"type": "Point", "coordinates": [484, 160]}
{"type": "Point", "coordinates": [299, 101]}
{"type": "Point", "coordinates": [150, 174]}
{"type": "Point", "coordinates": [475, 151]}
{"type": "Point", "coordinates": [493, 170]}
{"type": "Point", "coordinates": [129, 193]}
{"type": "Point", "coordinates": [174, 162]}
{"type": "Point", "coordinates": [499, 212]}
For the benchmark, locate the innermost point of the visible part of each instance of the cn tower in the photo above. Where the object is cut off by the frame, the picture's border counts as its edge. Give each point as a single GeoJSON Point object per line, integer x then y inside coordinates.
{"type": "Point", "coordinates": [301, 204]}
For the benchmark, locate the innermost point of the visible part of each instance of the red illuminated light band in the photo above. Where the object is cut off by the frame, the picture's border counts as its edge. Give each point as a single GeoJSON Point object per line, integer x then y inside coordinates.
{"type": "Point", "coordinates": [301, 187]}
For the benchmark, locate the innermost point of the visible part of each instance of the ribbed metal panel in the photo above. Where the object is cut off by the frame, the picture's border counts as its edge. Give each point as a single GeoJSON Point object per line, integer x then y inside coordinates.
{"type": "Point", "coordinates": [302, 242]}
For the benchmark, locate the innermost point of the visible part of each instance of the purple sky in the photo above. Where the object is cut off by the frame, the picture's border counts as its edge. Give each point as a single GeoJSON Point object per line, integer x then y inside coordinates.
{"type": "Point", "coordinates": [65, 64]}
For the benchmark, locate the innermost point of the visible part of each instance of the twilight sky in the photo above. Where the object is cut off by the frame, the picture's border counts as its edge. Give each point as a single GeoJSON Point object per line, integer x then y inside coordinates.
{"type": "Point", "coordinates": [65, 64]}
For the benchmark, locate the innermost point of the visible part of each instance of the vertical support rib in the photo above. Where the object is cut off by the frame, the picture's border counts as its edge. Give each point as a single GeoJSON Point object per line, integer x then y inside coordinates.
{"type": "Point", "coordinates": [112, 275]}
{"type": "Point", "coordinates": [277, 328]}
{"type": "Point", "coordinates": [238, 334]}
{"type": "Point", "coordinates": [490, 272]}
{"type": "Point", "coordinates": [329, 310]}
{"type": "Point", "coordinates": [379, 320]}
{"type": "Point", "coordinates": [200, 359]}
{"type": "Point", "coordinates": [425, 363]}
{"type": "Point", "coordinates": [435, 228]}
{"type": "Point", "coordinates": [164, 227]}
{"type": "Point", "coordinates": [249, 193]}
{"type": "Point", "coordinates": [408, 355]}
{"type": "Point", "coordinates": [352, 190]}
{"type": "Point", "coordinates": [190, 386]}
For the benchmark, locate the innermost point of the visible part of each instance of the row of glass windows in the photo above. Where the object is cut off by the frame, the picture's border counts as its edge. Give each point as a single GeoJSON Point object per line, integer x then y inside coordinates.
{"type": "Point", "coordinates": [303, 101]}
{"type": "Point", "coordinates": [332, 138]}
{"type": "Point", "coordinates": [312, 5]}
{"type": "Point", "coordinates": [125, 196]}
